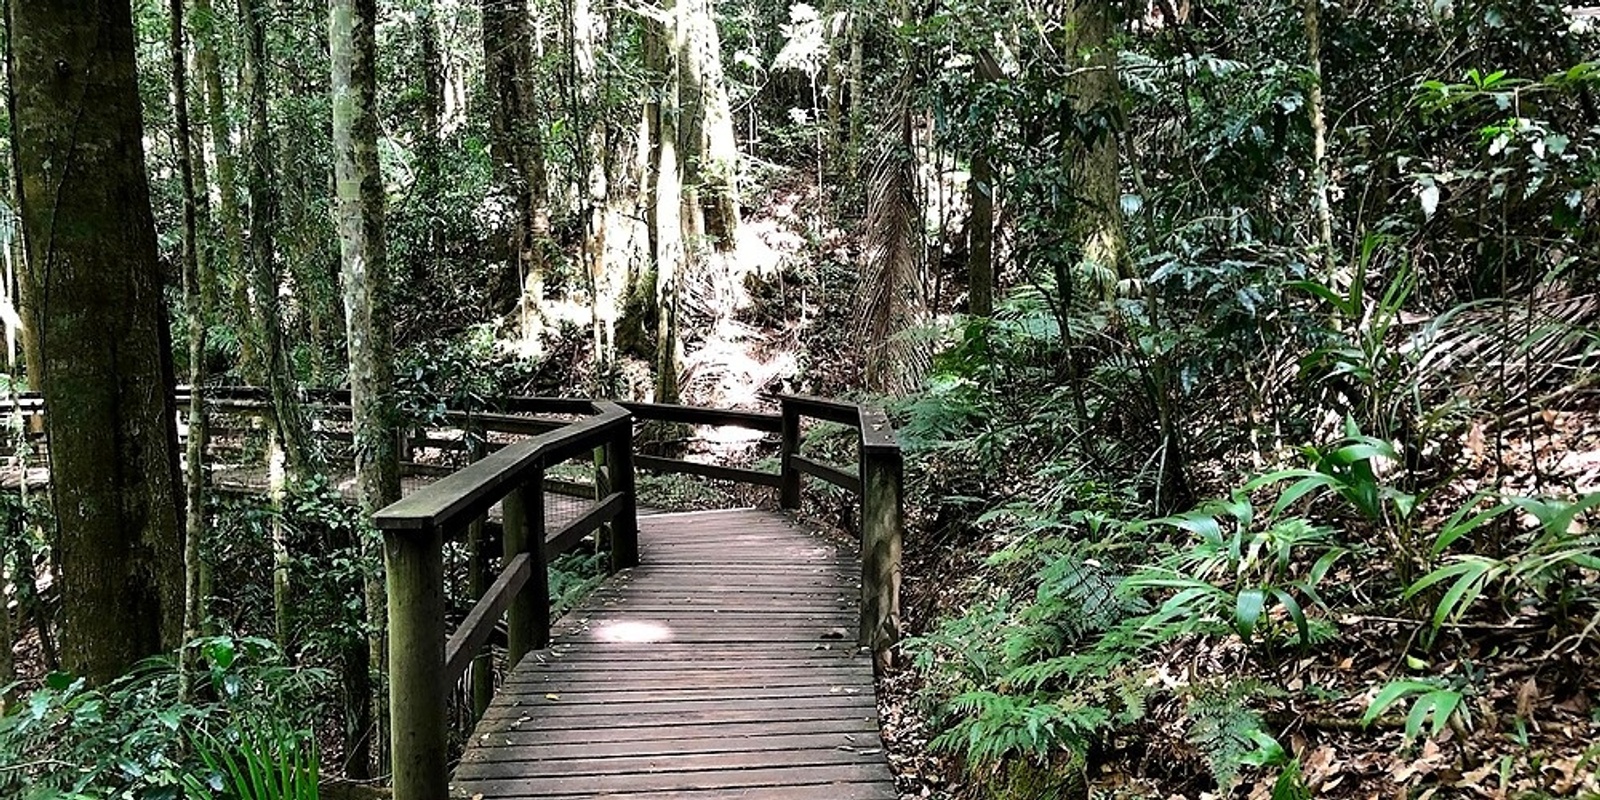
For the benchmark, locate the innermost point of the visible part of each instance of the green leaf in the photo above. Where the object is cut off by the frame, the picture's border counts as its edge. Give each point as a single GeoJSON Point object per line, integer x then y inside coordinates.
{"type": "Point", "coordinates": [1392, 693]}
{"type": "Point", "coordinates": [1326, 295]}
{"type": "Point", "coordinates": [1296, 613]}
{"type": "Point", "coordinates": [221, 653]}
{"type": "Point", "coordinates": [1247, 611]}
{"type": "Point", "coordinates": [1454, 528]}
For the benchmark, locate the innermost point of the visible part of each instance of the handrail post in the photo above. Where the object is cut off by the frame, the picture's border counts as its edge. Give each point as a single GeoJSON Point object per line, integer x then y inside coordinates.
{"type": "Point", "coordinates": [528, 619]}
{"type": "Point", "coordinates": [789, 479]}
{"type": "Point", "coordinates": [481, 675]}
{"type": "Point", "coordinates": [882, 534]}
{"type": "Point", "coordinates": [414, 575]}
{"type": "Point", "coordinates": [625, 527]}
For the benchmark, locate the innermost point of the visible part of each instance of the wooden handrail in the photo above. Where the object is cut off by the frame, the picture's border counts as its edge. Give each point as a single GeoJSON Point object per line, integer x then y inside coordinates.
{"type": "Point", "coordinates": [878, 481]}
{"type": "Point", "coordinates": [716, 417]}
{"type": "Point", "coordinates": [421, 665]}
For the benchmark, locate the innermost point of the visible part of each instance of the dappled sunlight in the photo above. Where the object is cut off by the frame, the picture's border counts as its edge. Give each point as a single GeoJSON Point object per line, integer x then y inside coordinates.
{"type": "Point", "coordinates": [632, 632]}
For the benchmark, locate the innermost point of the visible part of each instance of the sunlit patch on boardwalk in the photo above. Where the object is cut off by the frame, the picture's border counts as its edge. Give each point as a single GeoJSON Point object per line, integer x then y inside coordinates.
{"type": "Point", "coordinates": [723, 666]}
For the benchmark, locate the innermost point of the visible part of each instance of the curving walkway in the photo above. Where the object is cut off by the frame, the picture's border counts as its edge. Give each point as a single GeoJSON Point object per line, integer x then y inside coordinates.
{"type": "Point", "coordinates": [723, 667]}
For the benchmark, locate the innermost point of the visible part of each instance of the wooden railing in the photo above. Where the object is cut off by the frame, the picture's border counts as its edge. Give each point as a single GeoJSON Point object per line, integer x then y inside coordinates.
{"type": "Point", "coordinates": [875, 480]}
{"type": "Point", "coordinates": [422, 663]}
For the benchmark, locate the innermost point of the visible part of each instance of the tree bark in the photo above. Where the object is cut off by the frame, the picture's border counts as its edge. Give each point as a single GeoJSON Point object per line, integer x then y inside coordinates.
{"type": "Point", "coordinates": [1319, 138]}
{"type": "Point", "coordinates": [107, 370]}
{"type": "Point", "coordinates": [231, 265]}
{"type": "Point", "coordinates": [668, 199]}
{"type": "Point", "coordinates": [708, 151]}
{"type": "Point", "coordinates": [198, 314]}
{"type": "Point", "coordinates": [1093, 156]}
{"type": "Point", "coordinates": [369, 328]}
{"type": "Point", "coordinates": [589, 30]}
{"type": "Point", "coordinates": [429, 179]}
{"type": "Point", "coordinates": [291, 455]}
{"type": "Point", "coordinates": [980, 238]}
{"type": "Point", "coordinates": [517, 148]}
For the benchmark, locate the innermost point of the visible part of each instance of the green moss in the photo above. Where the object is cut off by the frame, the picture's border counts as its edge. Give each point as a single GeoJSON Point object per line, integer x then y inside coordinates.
{"type": "Point", "coordinates": [1061, 778]}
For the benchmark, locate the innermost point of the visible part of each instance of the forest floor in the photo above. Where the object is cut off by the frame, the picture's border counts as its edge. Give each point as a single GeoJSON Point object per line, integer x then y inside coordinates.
{"type": "Point", "coordinates": [1533, 724]}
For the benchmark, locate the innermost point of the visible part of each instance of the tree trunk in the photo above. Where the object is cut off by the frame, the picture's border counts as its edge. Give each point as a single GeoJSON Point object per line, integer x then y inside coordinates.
{"type": "Point", "coordinates": [1097, 219]}
{"type": "Point", "coordinates": [667, 196]}
{"type": "Point", "coordinates": [589, 31]}
{"type": "Point", "coordinates": [980, 238]}
{"type": "Point", "coordinates": [17, 248]}
{"type": "Point", "coordinates": [290, 457]}
{"type": "Point", "coordinates": [517, 148]}
{"type": "Point", "coordinates": [198, 313]}
{"type": "Point", "coordinates": [231, 265]}
{"type": "Point", "coordinates": [369, 329]}
{"type": "Point", "coordinates": [1319, 140]}
{"type": "Point", "coordinates": [107, 369]}
{"type": "Point", "coordinates": [429, 179]}
{"type": "Point", "coordinates": [708, 151]}
{"type": "Point", "coordinates": [857, 109]}
{"type": "Point", "coordinates": [266, 273]}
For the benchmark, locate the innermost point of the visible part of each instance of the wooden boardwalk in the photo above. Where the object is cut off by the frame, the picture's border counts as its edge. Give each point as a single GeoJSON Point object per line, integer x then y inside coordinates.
{"type": "Point", "coordinates": [724, 666]}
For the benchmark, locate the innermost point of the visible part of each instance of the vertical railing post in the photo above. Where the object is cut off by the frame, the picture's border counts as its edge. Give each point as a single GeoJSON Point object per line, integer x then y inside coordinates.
{"type": "Point", "coordinates": [882, 534]}
{"type": "Point", "coordinates": [789, 477]}
{"type": "Point", "coordinates": [528, 618]}
{"type": "Point", "coordinates": [414, 576]}
{"type": "Point", "coordinates": [625, 527]}
{"type": "Point", "coordinates": [481, 676]}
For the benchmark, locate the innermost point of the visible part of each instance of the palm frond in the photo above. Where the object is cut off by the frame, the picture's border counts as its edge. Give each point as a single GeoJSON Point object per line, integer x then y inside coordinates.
{"type": "Point", "coordinates": [892, 304]}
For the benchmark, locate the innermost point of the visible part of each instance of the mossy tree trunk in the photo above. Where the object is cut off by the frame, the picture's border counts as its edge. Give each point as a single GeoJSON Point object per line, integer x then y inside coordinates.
{"type": "Point", "coordinates": [368, 327]}
{"type": "Point", "coordinates": [230, 265]}
{"type": "Point", "coordinates": [1096, 226]}
{"type": "Point", "coordinates": [103, 336]}
{"type": "Point", "coordinates": [291, 459]}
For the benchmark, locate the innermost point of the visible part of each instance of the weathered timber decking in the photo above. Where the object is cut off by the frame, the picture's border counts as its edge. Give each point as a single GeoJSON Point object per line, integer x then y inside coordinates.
{"type": "Point", "coordinates": [724, 666]}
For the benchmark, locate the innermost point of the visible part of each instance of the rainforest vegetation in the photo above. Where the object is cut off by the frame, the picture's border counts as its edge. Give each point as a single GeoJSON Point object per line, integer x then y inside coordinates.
{"type": "Point", "coordinates": [1244, 353]}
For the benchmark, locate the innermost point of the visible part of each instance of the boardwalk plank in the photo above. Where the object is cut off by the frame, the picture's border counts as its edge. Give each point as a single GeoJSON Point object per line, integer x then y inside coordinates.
{"type": "Point", "coordinates": [724, 666]}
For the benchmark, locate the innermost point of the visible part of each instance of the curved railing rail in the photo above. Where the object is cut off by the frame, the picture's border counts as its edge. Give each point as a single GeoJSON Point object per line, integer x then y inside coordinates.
{"type": "Point", "coordinates": [422, 663]}
{"type": "Point", "coordinates": [875, 480]}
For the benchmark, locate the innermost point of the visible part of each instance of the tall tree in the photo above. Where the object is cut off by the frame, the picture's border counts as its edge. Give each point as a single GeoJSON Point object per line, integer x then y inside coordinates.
{"type": "Point", "coordinates": [198, 312]}
{"type": "Point", "coordinates": [429, 177]}
{"type": "Point", "coordinates": [518, 148]}
{"type": "Point", "coordinates": [292, 448]}
{"type": "Point", "coordinates": [708, 151]}
{"type": "Point", "coordinates": [589, 30]}
{"type": "Point", "coordinates": [980, 193]}
{"type": "Point", "coordinates": [230, 263]}
{"type": "Point", "coordinates": [667, 197]}
{"type": "Point", "coordinates": [369, 329]}
{"type": "Point", "coordinates": [106, 365]}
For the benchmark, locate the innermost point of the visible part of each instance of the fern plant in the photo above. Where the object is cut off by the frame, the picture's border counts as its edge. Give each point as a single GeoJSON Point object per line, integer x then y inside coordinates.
{"type": "Point", "coordinates": [1228, 733]}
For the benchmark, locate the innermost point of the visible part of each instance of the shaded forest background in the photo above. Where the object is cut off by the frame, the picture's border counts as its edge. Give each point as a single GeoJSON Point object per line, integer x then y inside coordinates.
{"type": "Point", "coordinates": [1246, 351]}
